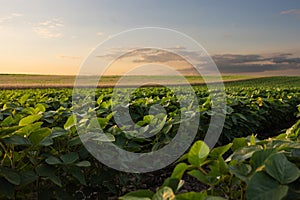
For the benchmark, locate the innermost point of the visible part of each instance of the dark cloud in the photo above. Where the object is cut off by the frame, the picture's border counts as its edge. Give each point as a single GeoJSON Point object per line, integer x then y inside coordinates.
{"type": "Point", "coordinates": [226, 63]}
{"type": "Point", "coordinates": [150, 55]}
{"type": "Point", "coordinates": [234, 58]}
{"type": "Point", "coordinates": [155, 55]}
{"type": "Point", "coordinates": [234, 63]}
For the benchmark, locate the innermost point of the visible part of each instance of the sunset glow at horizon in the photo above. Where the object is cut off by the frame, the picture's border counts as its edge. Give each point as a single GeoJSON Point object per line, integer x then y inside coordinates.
{"type": "Point", "coordinates": [55, 37]}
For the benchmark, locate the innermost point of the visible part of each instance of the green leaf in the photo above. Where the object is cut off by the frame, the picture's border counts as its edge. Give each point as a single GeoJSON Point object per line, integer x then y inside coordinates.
{"type": "Point", "coordinates": [244, 153]}
{"type": "Point", "coordinates": [74, 141]}
{"type": "Point", "coordinates": [164, 193]}
{"type": "Point", "coordinates": [147, 119]}
{"type": "Point", "coordinates": [294, 191]}
{"type": "Point", "coordinates": [238, 143]}
{"type": "Point", "coordinates": [51, 160]}
{"type": "Point", "coordinates": [102, 122]}
{"type": "Point", "coordinates": [28, 177]}
{"type": "Point", "coordinates": [69, 158]}
{"type": "Point", "coordinates": [174, 183]}
{"type": "Point", "coordinates": [47, 141]}
{"type": "Point", "coordinates": [37, 136]}
{"type": "Point", "coordinates": [182, 158]}
{"type": "Point", "coordinates": [39, 108]}
{"type": "Point", "coordinates": [262, 187]}
{"type": "Point", "coordinates": [138, 195]}
{"type": "Point", "coordinates": [10, 175]}
{"type": "Point", "coordinates": [241, 171]}
{"type": "Point", "coordinates": [49, 172]}
{"type": "Point", "coordinates": [207, 179]}
{"type": "Point", "coordinates": [281, 169]}
{"type": "Point", "coordinates": [70, 122]}
{"type": "Point", "coordinates": [179, 170]}
{"type": "Point", "coordinates": [158, 127]}
{"type": "Point", "coordinates": [77, 173]}
{"type": "Point", "coordinates": [28, 129]}
{"type": "Point", "coordinates": [8, 121]}
{"type": "Point", "coordinates": [23, 99]}
{"type": "Point", "coordinates": [29, 120]}
{"type": "Point", "coordinates": [252, 140]}
{"type": "Point", "coordinates": [6, 131]}
{"type": "Point", "coordinates": [7, 188]}
{"type": "Point", "coordinates": [191, 196]}
{"type": "Point", "coordinates": [198, 153]}
{"type": "Point", "coordinates": [214, 198]}
{"type": "Point", "coordinates": [57, 132]}
{"type": "Point", "coordinates": [100, 99]}
{"type": "Point", "coordinates": [96, 136]}
{"type": "Point", "coordinates": [259, 157]}
{"type": "Point", "coordinates": [83, 164]}
{"type": "Point", "coordinates": [219, 151]}
{"type": "Point", "coordinates": [17, 140]}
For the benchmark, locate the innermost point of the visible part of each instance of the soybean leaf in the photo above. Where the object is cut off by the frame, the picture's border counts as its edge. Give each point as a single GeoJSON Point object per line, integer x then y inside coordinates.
{"type": "Point", "coordinates": [164, 193]}
{"type": "Point", "coordinates": [69, 158]}
{"type": "Point", "coordinates": [138, 195]}
{"type": "Point", "coordinates": [238, 143]}
{"type": "Point", "coordinates": [174, 183]}
{"type": "Point", "coordinates": [51, 160]}
{"type": "Point", "coordinates": [214, 198]}
{"type": "Point", "coordinates": [23, 99]}
{"type": "Point", "coordinates": [28, 177]}
{"type": "Point", "coordinates": [77, 173]}
{"type": "Point", "coordinates": [219, 151]}
{"type": "Point", "coordinates": [37, 136]}
{"type": "Point", "coordinates": [241, 171]}
{"type": "Point", "coordinates": [70, 122]}
{"type": "Point", "coordinates": [57, 132]}
{"type": "Point", "coordinates": [49, 172]}
{"type": "Point", "coordinates": [244, 153]}
{"type": "Point", "coordinates": [179, 170]}
{"type": "Point", "coordinates": [261, 187]}
{"type": "Point", "coordinates": [10, 175]}
{"type": "Point", "coordinates": [47, 141]}
{"type": "Point", "coordinates": [39, 108]}
{"type": "Point", "coordinates": [259, 157]}
{"type": "Point", "coordinates": [207, 179]}
{"type": "Point", "coordinates": [83, 164]}
{"type": "Point", "coordinates": [198, 153]}
{"type": "Point", "coordinates": [29, 120]}
{"type": "Point", "coordinates": [190, 196]}
{"type": "Point", "coordinates": [281, 169]}
{"type": "Point", "coordinates": [17, 140]}
{"type": "Point", "coordinates": [6, 188]}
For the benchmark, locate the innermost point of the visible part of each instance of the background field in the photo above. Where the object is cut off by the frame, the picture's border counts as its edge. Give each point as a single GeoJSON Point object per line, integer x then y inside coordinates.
{"type": "Point", "coordinates": [42, 156]}
{"type": "Point", "coordinates": [11, 81]}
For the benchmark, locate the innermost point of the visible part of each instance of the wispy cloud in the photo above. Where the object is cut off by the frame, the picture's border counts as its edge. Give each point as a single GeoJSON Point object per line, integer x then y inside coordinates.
{"type": "Point", "coordinates": [295, 12]}
{"type": "Point", "coordinates": [100, 33]}
{"type": "Point", "coordinates": [17, 14]}
{"type": "Point", "coordinates": [9, 18]}
{"type": "Point", "coordinates": [49, 28]}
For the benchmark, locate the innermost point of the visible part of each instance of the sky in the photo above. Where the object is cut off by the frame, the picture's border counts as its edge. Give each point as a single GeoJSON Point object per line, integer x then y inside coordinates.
{"type": "Point", "coordinates": [242, 37]}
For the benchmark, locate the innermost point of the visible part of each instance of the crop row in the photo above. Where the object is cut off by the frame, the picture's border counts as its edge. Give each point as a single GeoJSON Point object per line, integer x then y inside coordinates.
{"type": "Point", "coordinates": [43, 157]}
{"type": "Point", "coordinates": [255, 169]}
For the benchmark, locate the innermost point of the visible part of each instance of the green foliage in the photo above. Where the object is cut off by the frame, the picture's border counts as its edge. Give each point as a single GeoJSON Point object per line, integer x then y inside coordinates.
{"type": "Point", "coordinates": [255, 169]}
{"type": "Point", "coordinates": [42, 156]}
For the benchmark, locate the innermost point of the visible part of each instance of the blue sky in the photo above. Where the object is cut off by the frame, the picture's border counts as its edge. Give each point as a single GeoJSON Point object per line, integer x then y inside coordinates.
{"type": "Point", "coordinates": [53, 37]}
